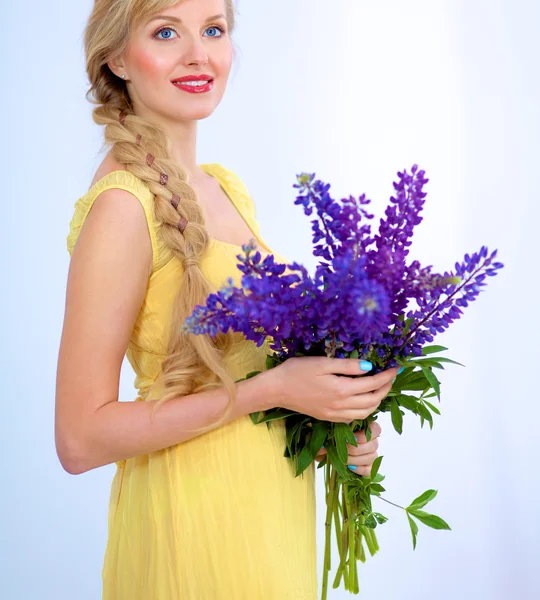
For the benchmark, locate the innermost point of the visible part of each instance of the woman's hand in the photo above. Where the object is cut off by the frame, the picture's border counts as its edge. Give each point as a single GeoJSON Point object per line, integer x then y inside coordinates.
{"type": "Point", "coordinates": [365, 454]}
{"type": "Point", "coordinates": [315, 386]}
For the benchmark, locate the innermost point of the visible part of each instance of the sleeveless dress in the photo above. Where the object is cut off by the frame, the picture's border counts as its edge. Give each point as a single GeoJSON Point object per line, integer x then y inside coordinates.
{"type": "Point", "coordinates": [220, 516]}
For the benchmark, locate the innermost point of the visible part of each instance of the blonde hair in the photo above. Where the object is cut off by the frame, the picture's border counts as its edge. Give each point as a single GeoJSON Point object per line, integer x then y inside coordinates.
{"type": "Point", "coordinates": [193, 362]}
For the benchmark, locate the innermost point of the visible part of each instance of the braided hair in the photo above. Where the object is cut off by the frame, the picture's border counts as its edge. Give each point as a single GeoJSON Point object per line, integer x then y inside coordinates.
{"type": "Point", "coordinates": [193, 362]}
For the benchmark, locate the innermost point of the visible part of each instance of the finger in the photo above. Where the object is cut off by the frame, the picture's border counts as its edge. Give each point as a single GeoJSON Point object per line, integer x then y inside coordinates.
{"type": "Point", "coordinates": [321, 452]}
{"type": "Point", "coordinates": [363, 448]}
{"type": "Point", "coordinates": [364, 471]}
{"type": "Point", "coordinates": [375, 429]}
{"type": "Point", "coordinates": [367, 399]}
{"type": "Point", "coordinates": [353, 413]}
{"type": "Point", "coordinates": [362, 460]}
{"type": "Point", "coordinates": [345, 366]}
{"type": "Point", "coordinates": [361, 385]}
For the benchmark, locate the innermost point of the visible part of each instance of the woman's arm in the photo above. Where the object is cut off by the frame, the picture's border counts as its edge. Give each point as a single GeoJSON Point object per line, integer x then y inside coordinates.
{"type": "Point", "coordinates": [107, 281]}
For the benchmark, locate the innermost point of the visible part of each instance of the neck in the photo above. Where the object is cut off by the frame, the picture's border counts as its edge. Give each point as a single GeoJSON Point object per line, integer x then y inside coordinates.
{"type": "Point", "coordinates": [183, 136]}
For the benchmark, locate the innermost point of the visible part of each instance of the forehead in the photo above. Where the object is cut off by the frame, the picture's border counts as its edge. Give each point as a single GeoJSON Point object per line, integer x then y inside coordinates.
{"type": "Point", "coordinates": [143, 10]}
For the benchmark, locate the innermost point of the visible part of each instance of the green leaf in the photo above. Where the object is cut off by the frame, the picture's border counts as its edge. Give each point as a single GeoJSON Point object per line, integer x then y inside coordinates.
{"type": "Point", "coordinates": [332, 454]}
{"type": "Point", "coordinates": [423, 499]}
{"type": "Point", "coordinates": [271, 362]}
{"type": "Point", "coordinates": [347, 431]}
{"type": "Point", "coordinates": [414, 381]}
{"type": "Point", "coordinates": [255, 417]}
{"type": "Point", "coordinates": [433, 349]}
{"type": "Point", "coordinates": [276, 414]}
{"type": "Point", "coordinates": [341, 441]}
{"type": "Point", "coordinates": [432, 521]}
{"type": "Point", "coordinates": [318, 437]}
{"type": "Point", "coordinates": [370, 522]}
{"type": "Point", "coordinates": [375, 467]}
{"type": "Point", "coordinates": [433, 408]}
{"type": "Point", "coordinates": [304, 460]}
{"type": "Point", "coordinates": [380, 518]}
{"type": "Point", "coordinates": [252, 374]}
{"type": "Point", "coordinates": [414, 530]}
{"type": "Point", "coordinates": [428, 362]}
{"type": "Point", "coordinates": [397, 417]}
{"type": "Point", "coordinates": [354, 354]}
{"type": "Point", "coordinates": [447, 360]}
{"type": "Point", "coordinates": [376, 487]}
{"type": "Point", "coordinates": [408, 402]}
{"type": "Point", "coordinates": [407, 328]}
{"type": "Point", "coordinates": [298, 433]}
{"type": "Point", "coordinates": [367, 431]}
{"type": "Point", "coordinates": [424, 412]}
{"type": "Point", "coordinates": [434, 382]}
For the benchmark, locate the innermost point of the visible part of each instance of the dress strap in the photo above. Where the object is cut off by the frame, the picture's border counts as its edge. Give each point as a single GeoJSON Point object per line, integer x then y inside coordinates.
{"type": "Point", "coordinates": [239, 195]}
{"type": "Point", "coordinates": [122, 180]}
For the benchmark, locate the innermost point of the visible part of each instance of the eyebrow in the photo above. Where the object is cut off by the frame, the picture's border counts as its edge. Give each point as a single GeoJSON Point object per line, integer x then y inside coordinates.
{"type": "Point", "coordinates": [177, 20]}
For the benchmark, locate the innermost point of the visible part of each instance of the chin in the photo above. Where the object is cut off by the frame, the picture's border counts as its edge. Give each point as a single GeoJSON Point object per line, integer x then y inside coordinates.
{"type": "Point", "coordinates": [199, 110]}
{"type": "Point", "coordinates": [193, 115]}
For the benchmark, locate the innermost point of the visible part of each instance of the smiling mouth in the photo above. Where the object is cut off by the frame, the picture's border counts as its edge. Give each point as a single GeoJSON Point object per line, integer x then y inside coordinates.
{"type": "Point", "coordinates": [195, 87]}
{"type": "Point", "coordinates": [193, 83]}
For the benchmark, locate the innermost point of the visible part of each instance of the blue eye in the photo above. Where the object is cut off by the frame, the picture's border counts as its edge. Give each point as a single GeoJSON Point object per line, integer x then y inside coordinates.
{"type": "Point", "coordinates": [161, 31]}
{"type": "Point", "coordinates": [218, 28]}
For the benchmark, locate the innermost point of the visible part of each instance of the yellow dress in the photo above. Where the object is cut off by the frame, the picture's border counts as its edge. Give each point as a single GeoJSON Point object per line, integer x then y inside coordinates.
{"type": "Point", "coordinates": [220, 516]}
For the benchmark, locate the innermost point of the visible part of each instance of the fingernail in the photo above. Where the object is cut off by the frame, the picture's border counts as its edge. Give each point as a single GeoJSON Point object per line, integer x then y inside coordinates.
{"type": "Point", "coordinates": [365, 365]}
{"type": "Point", "coordinates": [321, 448]}
{"type": "Point", "coordinates": [352, 467]}
{"type": "Point", "coordinates": [401, 369]}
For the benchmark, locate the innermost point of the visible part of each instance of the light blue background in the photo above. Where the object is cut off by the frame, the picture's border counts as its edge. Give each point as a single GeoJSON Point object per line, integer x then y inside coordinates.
{"type": "Point", "coordinates": [355, 91]}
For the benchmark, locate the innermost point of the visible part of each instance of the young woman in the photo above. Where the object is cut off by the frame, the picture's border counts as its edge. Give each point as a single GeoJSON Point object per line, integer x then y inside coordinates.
{"type": "Point", "coordinates": [203, 503]}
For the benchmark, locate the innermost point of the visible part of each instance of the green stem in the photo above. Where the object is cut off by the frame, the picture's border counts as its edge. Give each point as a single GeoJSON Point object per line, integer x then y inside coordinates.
{"type": "Point", "coordinates": [345, 536]}
{"type": "Point", "coordinates": [391, 502]}
{"type": "Point", "coordinates": [360, 554]}
{"type": "Point", "coordinates": [371, 541]}
{"type": "Point", "coordinates": [331, 476]}
{"type": "Point", "coordinates": [337, 522]}
{"type": "Point", "coordinates": [353, 577]}
{"type": "Point", "coordinates": [342, 541]}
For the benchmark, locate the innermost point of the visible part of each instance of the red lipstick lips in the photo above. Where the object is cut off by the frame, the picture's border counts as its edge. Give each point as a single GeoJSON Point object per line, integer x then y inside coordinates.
{"type": "Point", "coordinates": [183, 83]}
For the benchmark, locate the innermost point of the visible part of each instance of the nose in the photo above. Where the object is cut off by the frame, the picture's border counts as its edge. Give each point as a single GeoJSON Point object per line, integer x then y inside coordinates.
{"type": "Point", "coordinates": [195, 52]}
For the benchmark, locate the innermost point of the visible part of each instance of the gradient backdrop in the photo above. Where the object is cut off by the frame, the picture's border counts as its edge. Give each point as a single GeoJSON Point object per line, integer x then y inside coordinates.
{"type": "Point", "coordinates": [355, 91]}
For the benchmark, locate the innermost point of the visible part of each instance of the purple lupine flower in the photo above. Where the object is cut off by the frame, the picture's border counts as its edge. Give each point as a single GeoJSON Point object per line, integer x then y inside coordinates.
{"type": "Point", "coordinates": [361, 288]}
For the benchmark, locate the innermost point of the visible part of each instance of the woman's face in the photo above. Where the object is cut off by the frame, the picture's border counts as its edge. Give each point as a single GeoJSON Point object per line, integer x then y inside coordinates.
{"type": "Point", "coordinates": [190, 39]}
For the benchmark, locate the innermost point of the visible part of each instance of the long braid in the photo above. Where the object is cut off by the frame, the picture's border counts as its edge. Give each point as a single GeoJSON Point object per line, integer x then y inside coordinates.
{"type": "Point", "coordinates": [143, 148]}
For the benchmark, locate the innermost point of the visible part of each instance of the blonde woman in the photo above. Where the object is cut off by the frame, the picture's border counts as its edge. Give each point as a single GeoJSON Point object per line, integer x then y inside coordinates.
{"type": "Point", "coordinates": [203, 505]}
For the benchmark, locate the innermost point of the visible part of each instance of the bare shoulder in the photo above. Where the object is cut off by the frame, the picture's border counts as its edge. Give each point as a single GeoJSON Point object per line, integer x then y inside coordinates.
{"type": "Point", "coordinates": [108, 165]}
{"type": "Point", "coordinates": [120, 206]}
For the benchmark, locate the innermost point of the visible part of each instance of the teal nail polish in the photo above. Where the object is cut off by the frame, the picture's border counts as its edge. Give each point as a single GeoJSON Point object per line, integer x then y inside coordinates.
{"type": "Point", "coordinates": [365, 365]}
{"type": "Point", "coordinates": [401, 369]}
{"type": "Point", "coordinates": [352, 467]}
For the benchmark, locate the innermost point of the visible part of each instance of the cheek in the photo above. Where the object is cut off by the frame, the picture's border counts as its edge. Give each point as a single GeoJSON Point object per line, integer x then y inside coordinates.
{"type": "Point", "coordinates": [150, 65]}
{"type": "Point", "coordinates": [225, 64]}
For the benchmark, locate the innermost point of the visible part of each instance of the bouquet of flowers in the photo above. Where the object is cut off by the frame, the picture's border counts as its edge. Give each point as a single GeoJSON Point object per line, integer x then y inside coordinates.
{"type": "Point", "coordinates": [356, 305]}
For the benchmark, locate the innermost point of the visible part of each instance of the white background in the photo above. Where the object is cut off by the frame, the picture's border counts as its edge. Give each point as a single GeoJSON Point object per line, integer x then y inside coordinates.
{"type": "Point", "coordinates": [354, 91]}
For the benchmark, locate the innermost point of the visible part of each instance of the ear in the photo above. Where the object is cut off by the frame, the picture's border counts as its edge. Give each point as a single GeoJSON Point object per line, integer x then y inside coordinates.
{"type": "Point", "coordinates": [116, 65]}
